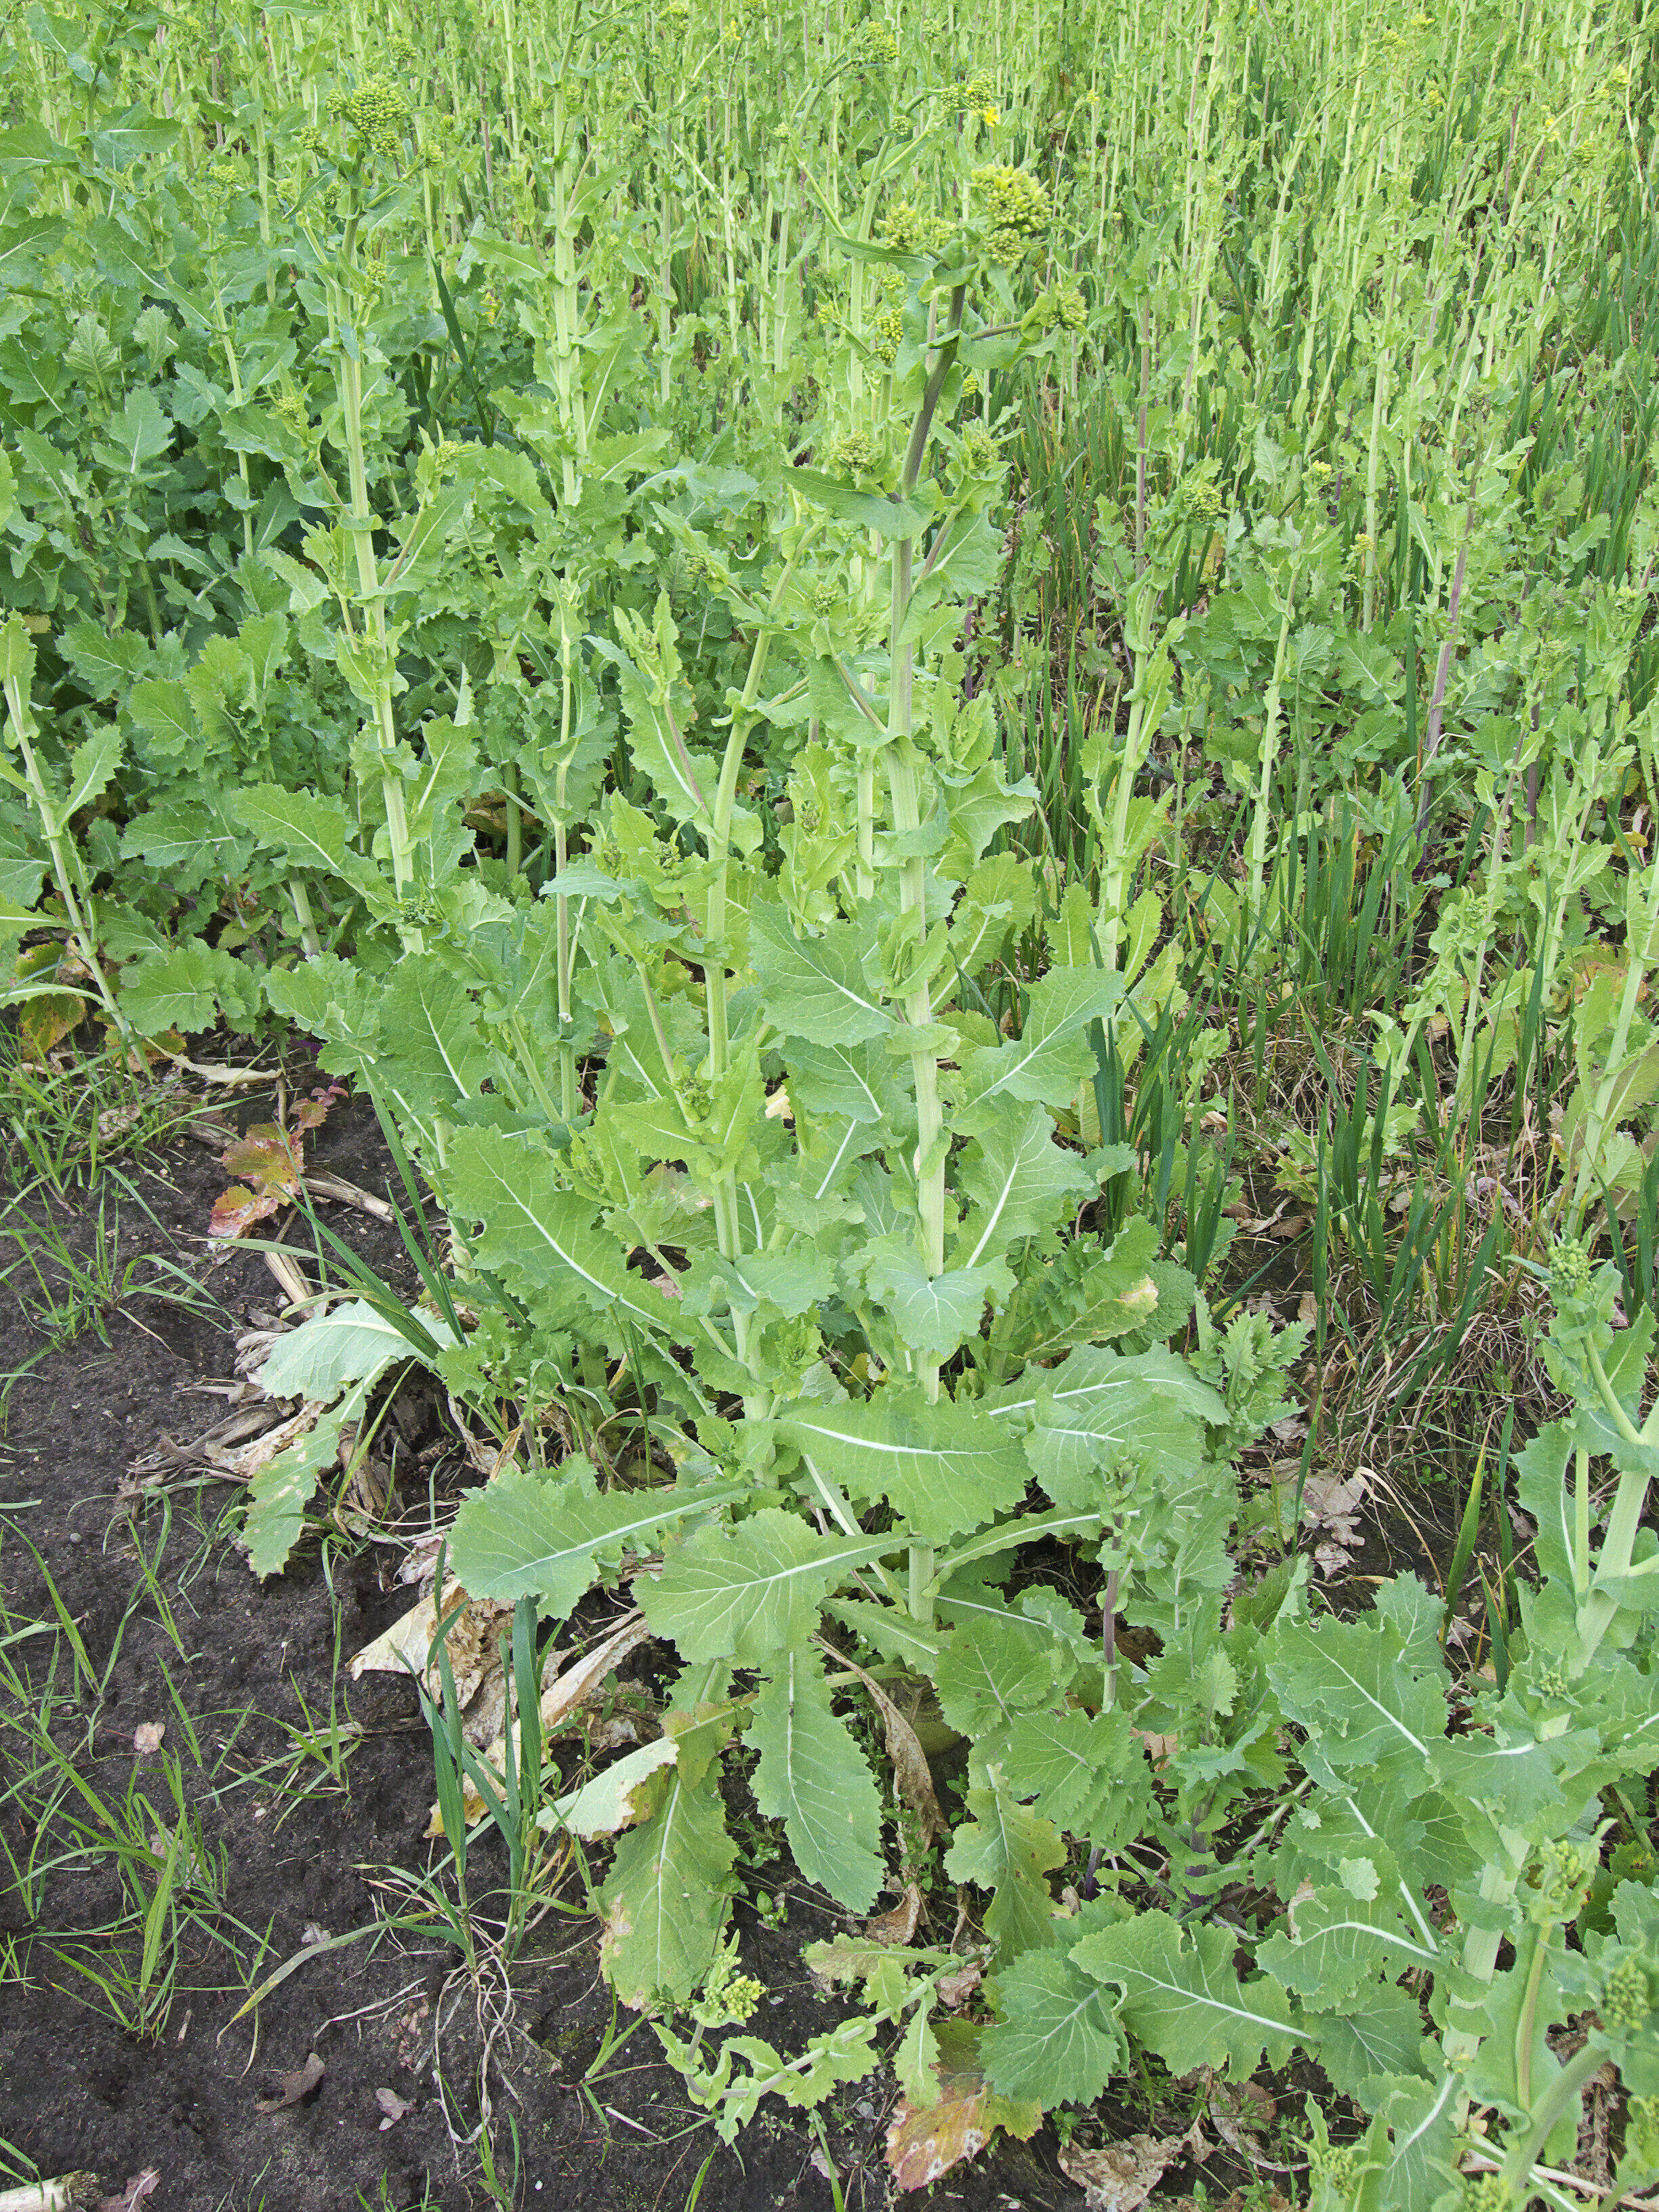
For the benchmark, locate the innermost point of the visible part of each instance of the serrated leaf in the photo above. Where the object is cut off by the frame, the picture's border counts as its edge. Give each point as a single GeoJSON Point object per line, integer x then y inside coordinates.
{"type": "Point", "coordinates": [988, 1673]}
{"type": "Point", "coordinates": [1021, 1183]}
{"type": "Point", "coordinates": [1089, 1294]}
{"type": "Point", "coordinates": [1333, 1943]}
{"type": "Point", "coordinates": [1184, 1998]}
{"type": "Point", "coordinates": [1101, 1408]}
{"type": "Point", "coordinates": [529, 1534]}
{"type": "Point", "coordinates": [140, 434]}
{"type": "Point", "coordinates": [311, 831]}
{"type": "Point", "coordinates": [1051, 1056]}
{"type": "Point", "coordinates": [1055, 2037]}
{"type": "Point", "coordinates": [183, 988]}
{"type": "Point", "coordinates": [888, 517]}
{"type": "Point", "coordinates": [947, 1468]}
{"type": "Point", "coordinates": [349, 1344]}
{"type": "Point", "coordinates": [542, 1239]}
{"type": "Point", "coordinates": [894, 1635]}
{"type": "Point", "coordinates": [665, 1901]}
{"type": "Point", "coordinates": [1375, 2034]}
{"type": "Point", "coordinates": [749, 1592]}
{"type": "Point", "coordinates": [278, 1494]}
{"type": "Point", "coordinates": [934, 1314]}
{"type": "Point", "coordinates": [162, 706]}
{"type": "Point", "coordinates": [814, 1777]}
{"type": "Point", "coordinates": [1088, 1773]}
{"type": "Point", "coordinates": [1007, 1849]}
{"type": "Point", "coordinates": [1350, 1684]}
{"type": "Point", "coordinates": [814, 987]}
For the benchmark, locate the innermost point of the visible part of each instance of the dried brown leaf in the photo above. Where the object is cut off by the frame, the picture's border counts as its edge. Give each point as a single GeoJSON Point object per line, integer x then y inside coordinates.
{"type": "Point", "coordinates": [293, 2088]}
{"type": "Point", "coordinates": [911, 1771]}
{"type": "Point", "coordinates": [393, 2107]}
{"type": "Point", "coordinates": [898, 1926]}
{"type": "Point", "coordinates": [1117, 2177]}
{"type": "Point", "coordinates": [139, 2186]}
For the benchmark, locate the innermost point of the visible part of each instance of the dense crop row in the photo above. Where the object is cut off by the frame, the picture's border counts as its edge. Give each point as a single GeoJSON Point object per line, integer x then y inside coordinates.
{"type": "Point", "coordinates": [833, 654]}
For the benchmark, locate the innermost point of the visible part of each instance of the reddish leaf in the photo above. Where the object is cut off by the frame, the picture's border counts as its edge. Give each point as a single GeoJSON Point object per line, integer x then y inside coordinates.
{"type": "Point", "coordinates": [270, 1165]}
{"type": "Point", "coordinates": [924, 2143]}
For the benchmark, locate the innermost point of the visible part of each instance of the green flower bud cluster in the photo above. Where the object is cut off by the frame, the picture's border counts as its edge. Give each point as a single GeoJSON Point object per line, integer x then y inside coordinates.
{"type": "Point", "coordinates": [377, 111]}
{"type": "Point", "coordinates": [1626, 1996]}
{"type": "Point", "coordinates": [1570, 1273]}
{"type": "Point", "coordinates": [826, 597]}
{"type": "Point", "coordinates": [403, 51]}
{"type": "Point", "coordinates": [1015, 203]}
{"type": "Point", "coordinates": [981, 456]}
{"type": "Point", "coordinates": [223, 172]}
{"type": "Point", "coordinates": [908, 230]}
{"type": "Point", "coordinates": [1485, 2192]}
{"type": "Point", "coordinates": [289, 407]}
{"type": "Point", "coordinates": [854, 452]}
{"type": "Point", "coordinates": [880, 45]}
{"type": "Point", "coordinates": [313, 141]}
{"type": "Point", "coordinates": [1565, 1872]}
{"type": "Point", "coordinates": [729, 1997]}
{"type": "Point", "coordinates": [889, 319]}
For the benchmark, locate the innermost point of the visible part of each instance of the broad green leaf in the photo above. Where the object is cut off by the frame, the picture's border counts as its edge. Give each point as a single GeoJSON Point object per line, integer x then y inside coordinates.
{"type": "Point", "coordinates": [1021, 1183]}
{"type": "Point", "coordinates": [1090, 1294]}
{"type": "Point", "coordinates": [612, 1800]}
{"type": "Point", "coordinates": [814, 987]}
{"type": "Point", "coordinates": [1044, 1064]}
{"type": "Point", "coordinates": [541, 1238]}
{"type": "Point", "coordinates": [934, 1314]}
{"type": "Point", "coordinates": [888, 517]}
{"type": "Point", "coordinates": [1374, 2034]}
{"type": "Point", "coordinates": [93, 765]}
{"type": "Point", "coordinates": [750, 1592]}
{"type": "Point", "coordinates": [1088, 1773]}
{"type": "Point", "coordinates": [349, 1344]}
{"type": "Point", "coordinates": [550, 1537]}
{"type": "Point", "coordinates": [105, 660]}
{"type": "Point", "coordinates": [947, 1468]}
{"type": "Point", "coordinates": [684, 780]}
{"type": "Point", "coordinates": [131, 137]}
{"type": "Point", "coordinates": [183, 988]}
{"type": "Point", "coordinates": [814, 1777]}
{"type": "Point", "coordinates": [896, 1635]}
{"type": "Point", "coordinates": [162, 706]}
{"type": "Point", "coordinates": [1350, 1686]}
{"type": "Point", "coordinates": [1006, 1848]}
{"type": "Point", "coordinates": [1333, 1943]}
{"type": "Point", "coordinates": [1101, 1408]}
{"type": "Point", "coordinates": [279, 1492]}
{"type": "Point", "coordinates": [988, 1673]}
{"type": "Point", "coordinates": [1055, 2037]}
{"type": "Point", "coordinates": [1185, 1999]}
{"type": "Point", "coordinates": [140, 434]}
{"type": "Point", "coordinates": [857, 1082]}
{"type": "Point", "coordinates": [311, 831]}
{"type": "Point", "coordinates": [665, 1901]}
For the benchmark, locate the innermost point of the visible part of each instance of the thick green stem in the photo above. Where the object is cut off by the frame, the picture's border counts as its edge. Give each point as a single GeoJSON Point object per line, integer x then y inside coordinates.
{"type": "Point", "coordinates": [63, 863]}
{"type": "Point", "coordinates": [1562, 2093]}
{"type": "Point", "coordinates": [361, 523]}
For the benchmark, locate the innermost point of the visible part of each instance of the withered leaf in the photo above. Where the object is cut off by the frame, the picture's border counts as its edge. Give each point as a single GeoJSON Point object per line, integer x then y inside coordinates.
{"type": "Point", "coordinates": [293, 2088]}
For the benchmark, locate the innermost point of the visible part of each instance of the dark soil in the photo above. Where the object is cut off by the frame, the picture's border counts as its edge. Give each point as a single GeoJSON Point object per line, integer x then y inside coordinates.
{"type": "Point", "coordinates": [78, 2091]}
